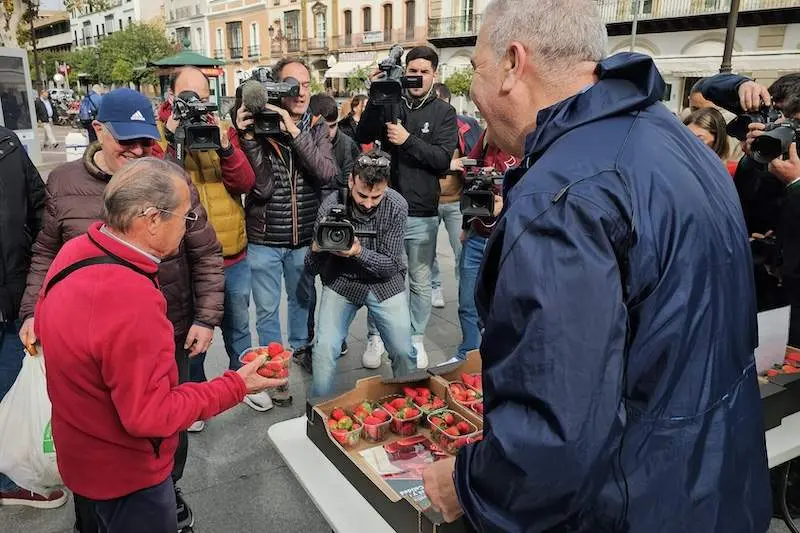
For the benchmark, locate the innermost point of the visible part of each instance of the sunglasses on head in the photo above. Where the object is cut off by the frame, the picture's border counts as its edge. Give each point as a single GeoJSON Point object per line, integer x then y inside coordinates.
{"type": "Point", "coordinates": [366, 161]}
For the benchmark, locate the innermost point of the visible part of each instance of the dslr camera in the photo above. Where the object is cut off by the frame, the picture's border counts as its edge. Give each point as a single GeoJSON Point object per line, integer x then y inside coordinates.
{"type": "Point", "coordinates": [335, 232]}
{"type": "Point", "coordinates": [268, 123]}
{"type": "Point", "coordinates": [776, 138]}
{"type": "Point", "coordinates": [389, 89]}
{"type": "Point", "coordinates": [194, 132]}
{"type": "Point", "coordinates": [479, 184]}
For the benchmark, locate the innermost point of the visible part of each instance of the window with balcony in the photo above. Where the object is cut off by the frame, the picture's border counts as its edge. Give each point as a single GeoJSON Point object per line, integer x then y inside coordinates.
{"type": "Point", "coordinates": [645, 7]}
{"type": "Point", "coordinates": [183, 34]}
{"type": "Point", "coordinates": [254, 49]}
{"type": "Point", "coordinates": [320, 30]}
{"type": "Point", "coordinates": [348, 27]}
{"type": "Point", "coordinates": [291, 21]}
{"type": "Point", "coordinates": [467, 11]}
{"type": "Point", "coordinates": [199, 42]}
{"type": "Point", "coordinates": [387, 22]}
{"type": "Point", "coordinates": [219, 51]}
{"type": "Point", "coordinates": [235, 39]}
{"type": "Point", "coordinates": [411, 19]}
{"type": "Point", "coordinates": [367, 24]}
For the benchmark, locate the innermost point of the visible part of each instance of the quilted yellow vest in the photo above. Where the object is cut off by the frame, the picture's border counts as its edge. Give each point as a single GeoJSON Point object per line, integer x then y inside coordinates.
{"type": "Point", "coordinates": [225, 213]}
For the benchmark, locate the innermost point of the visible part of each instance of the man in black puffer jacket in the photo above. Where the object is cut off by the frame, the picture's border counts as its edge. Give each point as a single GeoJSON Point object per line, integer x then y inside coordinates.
{"type": "Point", "coordinates": [291, 171]}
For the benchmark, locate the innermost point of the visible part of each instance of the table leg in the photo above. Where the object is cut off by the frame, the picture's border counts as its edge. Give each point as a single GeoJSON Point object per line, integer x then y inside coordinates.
{"type": "Point", "coordinates": [783, 481]}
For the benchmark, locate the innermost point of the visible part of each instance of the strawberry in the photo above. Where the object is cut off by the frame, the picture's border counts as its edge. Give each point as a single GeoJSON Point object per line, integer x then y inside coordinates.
{"type": "Point", "coordinates": [249, 357]}
{"type": "Point", "coordinates": [274, 348]}
{"type": "Point", "coordinates": [437, 422]}
{"type": "Point", "coordinates": [478, 408]}
{"type": "Point", "coordinates": [423, 392]}
{"type": "Point", "coordinates": [467, 379]}
{"type": "Point", "coordinates": [409, 392]}
{"type": "Point", "coordinates": [274, 366]}
{"type": "Point", "coordinates": [460, 443]}
{"type": "Point", "coordinates": [381, 415]}
{"type": "Point", "coordinates": [283, 374]}
{"type": "Point", "coordinates": [371, 421]}
{"type": "Point", "coordinates": [389, 409]}
{"type": "Point", "coordinates": [438, 403]}
{"type": "Point", "coordinates": [463, 428]}
{"type": "Point", "coordinates": [265, 372]}
{"type": "Point", "coordinates": [345, 423]}
{"type": "Point", "coordinates": [261, 351]}
{"type": "Point", "coordinates": [449, 419]}
{"type": "Point", "coordinates": [411, 412]}
{"type": "Point", "coordinates": [772, 373]}
{"type": "Point", "coordinates": [338, 413]}
{"type": "Point", "coordinates": [399, 403]}
{"type": "Point", "coordinates": [367, 406]}
{"type": "Point", "coordinates": [340, 435]}
{"type": "Point", "coordinates": [478, 382]}
{"type": "Point", "coordinates": [332, 424]}
{"type": "Point", "coordinates": [471, 394]}
{"type": "Point", "coordinates": [453, 431]}
{"type": "Point", "coordinates": [356, 426]}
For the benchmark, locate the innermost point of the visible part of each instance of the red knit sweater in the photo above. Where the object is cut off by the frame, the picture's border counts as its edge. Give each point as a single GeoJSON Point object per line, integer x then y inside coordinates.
{"type": "Point", "coordinates": [111, 373]}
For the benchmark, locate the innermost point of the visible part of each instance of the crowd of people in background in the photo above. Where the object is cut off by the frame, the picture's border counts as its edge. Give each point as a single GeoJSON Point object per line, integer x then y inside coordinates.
{"type": "Point", "coordinates": [242, 221]}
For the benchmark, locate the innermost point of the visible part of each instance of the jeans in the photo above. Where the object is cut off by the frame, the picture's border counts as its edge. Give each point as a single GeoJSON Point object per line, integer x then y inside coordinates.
{"type": "Point", "coordinates": [235, 322]}
{"type": "Point", "coordinates": [470, 264]}
{"type": "Point", "coordinates": [267, 263]}
{"type": "Point", "coordinates": [336, 313]}
{"type": "Point", "coordinates": [451, 215]}
{"type": "Point", "coordinates": [11, 355]}
{"type": "Point", "coordinates": [420, 248]}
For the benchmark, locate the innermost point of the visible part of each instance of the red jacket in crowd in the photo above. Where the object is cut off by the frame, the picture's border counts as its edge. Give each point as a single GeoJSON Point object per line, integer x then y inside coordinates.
{"type": "Point", "coordinates": [111, 373]}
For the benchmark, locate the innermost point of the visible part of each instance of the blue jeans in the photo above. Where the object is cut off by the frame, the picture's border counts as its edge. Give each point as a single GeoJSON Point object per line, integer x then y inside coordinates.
{"type": "Point", "coordinates": [268, 267]}
{"type": "Point", "coordinates": [11, 355]}
{"type": "Point", "coordinates": [235, 322]}
{"type": "Point", "coordinates": [336, 313]}
{"type": "Point", "coordinates": [451, 215]}
{"type": "Point", "coordinates": [420, 248]}
{"type": "Point", "coordinates": [470, 264]}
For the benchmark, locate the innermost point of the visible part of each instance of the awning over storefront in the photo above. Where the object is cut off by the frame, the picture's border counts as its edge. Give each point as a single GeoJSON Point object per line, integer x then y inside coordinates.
{"type": "Point", "coordinates": [698, 66]}
{"type": "Point", "coordinates": [344, 69]}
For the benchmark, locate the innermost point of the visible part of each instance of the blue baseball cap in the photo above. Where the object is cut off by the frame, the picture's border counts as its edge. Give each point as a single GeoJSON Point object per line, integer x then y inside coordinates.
{"type": "Point", "coordinates": [128, 115]}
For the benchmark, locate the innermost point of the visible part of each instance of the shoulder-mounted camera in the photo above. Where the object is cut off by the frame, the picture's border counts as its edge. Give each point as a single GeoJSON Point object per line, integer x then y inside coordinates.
{"type": "Point", "coordinates": [194, 132]}
{"type": "Point", "coordinates": [479, 186]}
{"type": "Point", "coordinates": [389, 89]}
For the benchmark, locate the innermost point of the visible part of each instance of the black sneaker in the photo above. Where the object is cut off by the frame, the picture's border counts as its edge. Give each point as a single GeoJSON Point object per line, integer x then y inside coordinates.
{"type": "Point", "coordinates": [344, 348]}
{"type": "Point", "coordinates": [185, 515]}
{"type": "Point", "coordinates": [303, 358]}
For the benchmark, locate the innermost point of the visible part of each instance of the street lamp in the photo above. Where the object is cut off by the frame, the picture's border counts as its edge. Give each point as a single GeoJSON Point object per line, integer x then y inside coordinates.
{"type": "Point", "coordinates": [33, 5]}
{"type": "Point", "coordinates": [730, 33]}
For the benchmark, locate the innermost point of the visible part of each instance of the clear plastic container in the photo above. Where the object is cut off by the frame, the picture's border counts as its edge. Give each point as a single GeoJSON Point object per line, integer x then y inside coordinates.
{"type": "Point", "coordinates": [377, 432]}
{"type": "Point", "coordinates": [348, 438]}
{"type": "Point", "coordinates": [275, 367]}
{"type": "Point", "coordinates": [468, 404]}
{"type": "Point", "coordinates": [447, 442]}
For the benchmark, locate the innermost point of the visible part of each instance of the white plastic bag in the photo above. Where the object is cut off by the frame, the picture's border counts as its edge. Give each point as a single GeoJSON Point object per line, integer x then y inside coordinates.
{"type": "Point", "coordinates": [27, 452]}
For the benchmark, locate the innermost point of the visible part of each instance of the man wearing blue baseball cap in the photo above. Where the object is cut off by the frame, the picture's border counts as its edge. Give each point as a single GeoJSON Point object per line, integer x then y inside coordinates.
{"type": "Point", "coordinates": [192, 280]}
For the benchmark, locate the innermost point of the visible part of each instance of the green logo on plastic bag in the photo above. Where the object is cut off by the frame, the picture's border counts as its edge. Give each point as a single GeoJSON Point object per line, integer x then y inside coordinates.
{"type": "Point", "coordinates": [48, 446]}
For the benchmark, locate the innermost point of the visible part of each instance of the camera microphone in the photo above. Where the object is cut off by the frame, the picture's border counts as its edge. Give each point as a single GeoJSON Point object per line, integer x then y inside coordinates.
{"type": "Point", "coordinates": [254, 97]}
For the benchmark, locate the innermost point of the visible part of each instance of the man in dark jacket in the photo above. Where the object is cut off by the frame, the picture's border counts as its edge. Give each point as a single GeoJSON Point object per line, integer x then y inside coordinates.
{"type": "Point", "coordinates": [22, 199]}
{"type": "Point", "coordinates": [616, 291]}
{"type": "Point", "coordinates": [291, 171]}
{"type": "Point", "coordinates": [192, 280]}
{"type": "Point", "coordinates": [345, 149]}
{"type": "Point", "coordinates": [421, 143]}
{"type": "Point", "coordinates": [46, 114]}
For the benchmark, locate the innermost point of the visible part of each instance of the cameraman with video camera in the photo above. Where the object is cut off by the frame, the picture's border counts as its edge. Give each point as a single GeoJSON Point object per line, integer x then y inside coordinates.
{"type": "Point", "coordinates": [420, 132]}
{"type": "Point", "coordinates": [359, 254]}
{"type": "Point", "coordinates": [292, 157]}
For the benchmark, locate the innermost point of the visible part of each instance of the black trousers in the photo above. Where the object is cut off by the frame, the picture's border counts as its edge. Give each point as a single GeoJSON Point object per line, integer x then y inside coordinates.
{"type": "Point", "coordinates": [85, 510]}
{"type": "Point", "coordinates": [151, 510]}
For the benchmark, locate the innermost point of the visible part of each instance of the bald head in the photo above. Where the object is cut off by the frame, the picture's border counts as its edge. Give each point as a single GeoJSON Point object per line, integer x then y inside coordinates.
{"type": "Point", "coordinates": [190, 79]}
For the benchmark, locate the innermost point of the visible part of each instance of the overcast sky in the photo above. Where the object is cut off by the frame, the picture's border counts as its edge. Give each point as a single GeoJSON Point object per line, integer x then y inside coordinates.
{"type": "Point", "coordinates": [52, 4]}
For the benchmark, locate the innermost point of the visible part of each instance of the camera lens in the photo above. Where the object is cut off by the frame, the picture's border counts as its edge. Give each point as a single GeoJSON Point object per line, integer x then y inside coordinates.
{"type": "Point", "coordinates": [336, 236]}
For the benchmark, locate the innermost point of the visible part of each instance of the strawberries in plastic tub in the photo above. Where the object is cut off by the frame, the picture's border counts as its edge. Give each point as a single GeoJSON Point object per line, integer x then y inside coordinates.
{"type": "Point", "coordinates": [464, 395]}
{"type": "Point", "coordinates": [277, 362]}
{"type": "Point", "coordinates": [424, 399]}
{"type": "Point", "coordinates": [450, 431]}
{"type": "Point", "coordinates": [344, 428]}
{"type": "Point", "coordinates": [406, 415]}
{"type": "Point", "coordinates": [376, 425]}
{"type": "Point", "coordinates": [477, 407]}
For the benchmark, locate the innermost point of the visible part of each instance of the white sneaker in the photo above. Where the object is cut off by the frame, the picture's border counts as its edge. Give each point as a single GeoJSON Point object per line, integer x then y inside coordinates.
{"type": "Point", "coordinates": [372, 355]}
{"type": "Point", "coordinates": [437, 300]}
{"type": "Point", "coordinates": [422, 355]}
{"type": "Point", "coordinates": [259, 401]}
{"type": "Point", "coordinates": [197, 427]}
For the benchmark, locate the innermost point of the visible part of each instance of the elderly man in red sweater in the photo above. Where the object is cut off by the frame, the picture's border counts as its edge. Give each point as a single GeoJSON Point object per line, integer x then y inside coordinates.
{"type": "Point", "coordinates": [111, 372]}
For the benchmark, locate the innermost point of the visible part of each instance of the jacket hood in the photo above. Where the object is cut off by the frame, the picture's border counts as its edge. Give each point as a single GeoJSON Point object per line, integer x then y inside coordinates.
{"type": "Point", "coordinates": [627, 82]}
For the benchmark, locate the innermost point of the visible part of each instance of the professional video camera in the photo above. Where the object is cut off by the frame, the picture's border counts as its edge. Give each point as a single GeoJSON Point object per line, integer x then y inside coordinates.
{"type": "Point", "coordinates": [335, 232]}
{"type": "Point", "coordinates": [389, 89]}
{"type": "Point", "coordinates": [194, 133]}
{"type": "Point", "coordinates": [263, 89]}
{"type": "Point", "coordinates": [479, 184]}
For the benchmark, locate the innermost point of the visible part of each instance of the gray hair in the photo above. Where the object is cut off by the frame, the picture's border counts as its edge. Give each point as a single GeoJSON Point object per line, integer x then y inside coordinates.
{"type": "Point", "coordinates": [145, 183]}
{"type": "Point", "coordinates": [561, 33]}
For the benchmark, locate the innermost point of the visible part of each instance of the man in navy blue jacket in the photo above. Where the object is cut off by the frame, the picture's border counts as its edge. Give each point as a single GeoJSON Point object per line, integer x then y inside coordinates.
{"type": "Point", "coordinates": [617, 297]}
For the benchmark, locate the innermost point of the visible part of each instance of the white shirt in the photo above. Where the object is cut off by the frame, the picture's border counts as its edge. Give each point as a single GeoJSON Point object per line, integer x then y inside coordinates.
{"type": "Point", "coordinates": [104, 230]}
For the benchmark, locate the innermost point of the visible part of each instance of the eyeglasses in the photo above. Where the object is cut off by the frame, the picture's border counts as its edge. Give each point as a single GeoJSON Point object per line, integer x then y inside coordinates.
{"type": "Point", "coordinates": [366, 161]}
{"type": "Point", "coordinates": [144, 143]}
{"type": "Point", "coordinates": [190, 217]}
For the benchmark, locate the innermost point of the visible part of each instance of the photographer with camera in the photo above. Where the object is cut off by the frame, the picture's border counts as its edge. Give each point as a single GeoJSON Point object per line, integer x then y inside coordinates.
{"type": "Point", "coordinates": [221, 174]}
{"type": "Point", "coordinates": [356, 272]}
{"type": "Point", "coordinates": [293, 161]}
{"type": "Point", "coordinates": [420, 132]}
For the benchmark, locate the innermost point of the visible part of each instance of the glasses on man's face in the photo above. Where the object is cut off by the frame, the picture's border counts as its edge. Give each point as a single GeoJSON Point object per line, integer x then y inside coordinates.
{"type": "Point", "coordinates": [129, 143]}
{"type": "Point", "coordinates": [190, 217]}
{"type": "Point", "coordinates": [366, 161]}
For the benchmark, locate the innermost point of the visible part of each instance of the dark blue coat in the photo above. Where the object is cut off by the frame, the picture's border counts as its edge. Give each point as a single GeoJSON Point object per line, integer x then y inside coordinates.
{"type": "Point", "coordinates": [617, 294]}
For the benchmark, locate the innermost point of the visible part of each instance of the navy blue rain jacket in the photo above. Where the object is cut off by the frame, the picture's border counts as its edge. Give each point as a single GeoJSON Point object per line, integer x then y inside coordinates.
{"type": "Point", "coordinates": [618, 300]}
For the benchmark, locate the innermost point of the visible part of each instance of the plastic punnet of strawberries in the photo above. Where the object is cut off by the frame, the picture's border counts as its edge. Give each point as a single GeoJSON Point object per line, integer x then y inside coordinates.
{"type": "Point", "coordinates": [424, 399]}
{"type": "Point", "coordinates": [375, 419]}
{"type": "Point", "coordinates": [277, 363]}
{"type": "Point", "coordinates": [450, 431]}
{"type": "Point", "coordinates": [405, 415]}
{"type": "Point", "coordinates": [344, 427]}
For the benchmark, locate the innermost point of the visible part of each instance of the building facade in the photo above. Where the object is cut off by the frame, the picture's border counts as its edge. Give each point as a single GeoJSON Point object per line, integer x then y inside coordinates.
{"type": "Point", "coordinates": [52, 31]}
{"type": "Point", "coordinates": [186, 20]}
{"type": "Point", "coordinates": [90, 26]}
